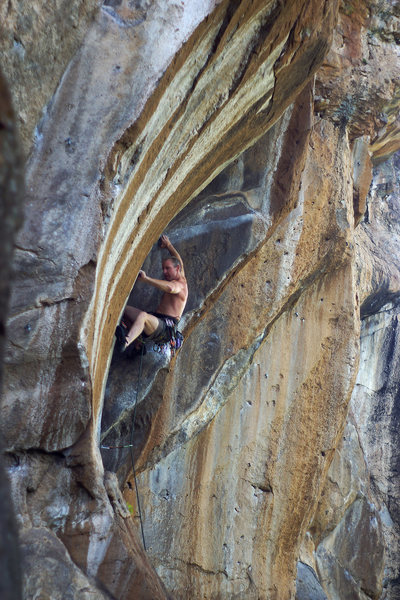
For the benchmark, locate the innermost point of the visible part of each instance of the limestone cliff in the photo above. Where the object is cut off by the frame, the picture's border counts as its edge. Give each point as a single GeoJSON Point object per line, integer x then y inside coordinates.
{"type": "Point", "coordinates": [262, 136]}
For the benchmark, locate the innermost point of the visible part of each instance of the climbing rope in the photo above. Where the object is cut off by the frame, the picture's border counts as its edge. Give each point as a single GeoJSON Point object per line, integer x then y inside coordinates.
{"type": "Point", "coordinates": [113, 447]}
{"type": "Point", "coordinates": [130, 445]}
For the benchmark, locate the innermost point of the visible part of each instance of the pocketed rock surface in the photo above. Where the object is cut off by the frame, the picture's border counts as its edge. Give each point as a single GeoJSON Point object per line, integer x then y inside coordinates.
{"type": "Point", "coordinates": [263, 138]}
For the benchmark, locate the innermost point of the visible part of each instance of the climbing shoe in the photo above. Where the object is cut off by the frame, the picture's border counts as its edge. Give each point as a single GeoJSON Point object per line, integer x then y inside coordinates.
{"type": "Point", "coordinates": [121, 333]}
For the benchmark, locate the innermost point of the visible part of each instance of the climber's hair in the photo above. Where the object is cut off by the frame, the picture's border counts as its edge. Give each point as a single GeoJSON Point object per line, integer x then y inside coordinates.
{"type": "Point", "coordinates": [174, 260]}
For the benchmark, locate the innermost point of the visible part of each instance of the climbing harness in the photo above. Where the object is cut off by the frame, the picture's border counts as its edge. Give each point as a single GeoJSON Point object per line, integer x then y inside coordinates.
{"type": "Point", "coordinates": [169, 338]}
{"type": "Point", "coordinates": [130, 446]}
{"type": "Point", "coordinates": [173, 344]}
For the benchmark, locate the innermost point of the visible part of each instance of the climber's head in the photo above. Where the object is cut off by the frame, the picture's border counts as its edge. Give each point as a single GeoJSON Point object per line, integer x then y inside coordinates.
{"type": "Point", "coordinates": [171, 268]}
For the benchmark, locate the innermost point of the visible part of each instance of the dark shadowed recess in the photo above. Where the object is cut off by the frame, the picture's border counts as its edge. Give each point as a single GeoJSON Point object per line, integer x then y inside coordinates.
{"type": "Point", "coordinates": [377, 300]}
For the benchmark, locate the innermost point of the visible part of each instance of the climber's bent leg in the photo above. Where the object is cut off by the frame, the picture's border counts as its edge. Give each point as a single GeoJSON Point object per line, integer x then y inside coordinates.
{"type": "Point", "coordinates": [141, 322]}
{"type": "Point", "coordinates": [130, 314]}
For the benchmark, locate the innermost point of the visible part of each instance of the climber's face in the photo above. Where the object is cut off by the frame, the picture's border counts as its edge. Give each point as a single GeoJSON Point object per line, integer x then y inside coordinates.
{"type": "Point", "coordinates": [170, 272]}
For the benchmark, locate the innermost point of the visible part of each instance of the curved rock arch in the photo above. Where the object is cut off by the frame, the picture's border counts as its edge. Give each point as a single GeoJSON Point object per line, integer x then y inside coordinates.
{"type": "Point", "coordinates": [214, 120]}
{"type": "Point", "coordinates": [81, 201]}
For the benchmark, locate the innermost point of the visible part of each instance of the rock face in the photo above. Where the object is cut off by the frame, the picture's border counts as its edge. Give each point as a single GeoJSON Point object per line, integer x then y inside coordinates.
{"type": "Point", "coordinates": [250, 132]}
{"type": "Point", "coordinates": [361, 493]}
{"type": "Point", "coordinates": [11, 194]}
{"type": "Point", "coordinates": [36, 47]}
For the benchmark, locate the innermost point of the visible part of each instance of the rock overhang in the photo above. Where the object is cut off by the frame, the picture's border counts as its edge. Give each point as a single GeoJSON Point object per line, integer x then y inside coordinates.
{"type": "Point", "coordinates": [118, 214]}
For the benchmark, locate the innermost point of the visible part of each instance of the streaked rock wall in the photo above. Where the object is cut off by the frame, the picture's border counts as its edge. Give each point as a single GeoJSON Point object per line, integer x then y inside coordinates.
{"type": "Point", "coordinates": [353, 539]}
{"type": "Point", "coordinates": [240, 129]}
{"type": "Point", "coordinates": [356, 527]}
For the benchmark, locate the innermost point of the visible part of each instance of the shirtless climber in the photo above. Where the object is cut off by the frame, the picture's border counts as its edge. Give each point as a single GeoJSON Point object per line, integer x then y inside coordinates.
{"type": "Point", "coordinates": [154, 325]}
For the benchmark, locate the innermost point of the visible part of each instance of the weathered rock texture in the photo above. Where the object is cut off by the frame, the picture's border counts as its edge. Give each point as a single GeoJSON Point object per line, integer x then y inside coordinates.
{"type": "Point", "coordinates": [11, 193]}
{"type": "Point", "coordinates": [37, 44]}
{"type": "Point", "coordinates": [361, 493]}
{"type": "Point", "coordinates": [248, 130]}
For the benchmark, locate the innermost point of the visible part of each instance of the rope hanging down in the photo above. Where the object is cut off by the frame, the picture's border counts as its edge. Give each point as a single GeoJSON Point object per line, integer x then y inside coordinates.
{"type": "Point", "coordinates": [130, 446]}
{"type": "Point", "coordinates": [114, 447]}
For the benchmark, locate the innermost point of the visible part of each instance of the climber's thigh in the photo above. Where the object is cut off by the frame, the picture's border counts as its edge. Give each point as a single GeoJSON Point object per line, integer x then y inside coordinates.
{"type": "Point", "coordinates": [150, 324]}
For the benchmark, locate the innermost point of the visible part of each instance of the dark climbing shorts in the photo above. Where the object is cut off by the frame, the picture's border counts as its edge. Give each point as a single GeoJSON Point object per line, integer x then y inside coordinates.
{"type": "Point", "coordinates": [163, 331]}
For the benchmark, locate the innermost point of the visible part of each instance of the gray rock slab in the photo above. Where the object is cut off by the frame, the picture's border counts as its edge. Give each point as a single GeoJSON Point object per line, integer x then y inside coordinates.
{"type": "Point", "coordinates": [307, 585]}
